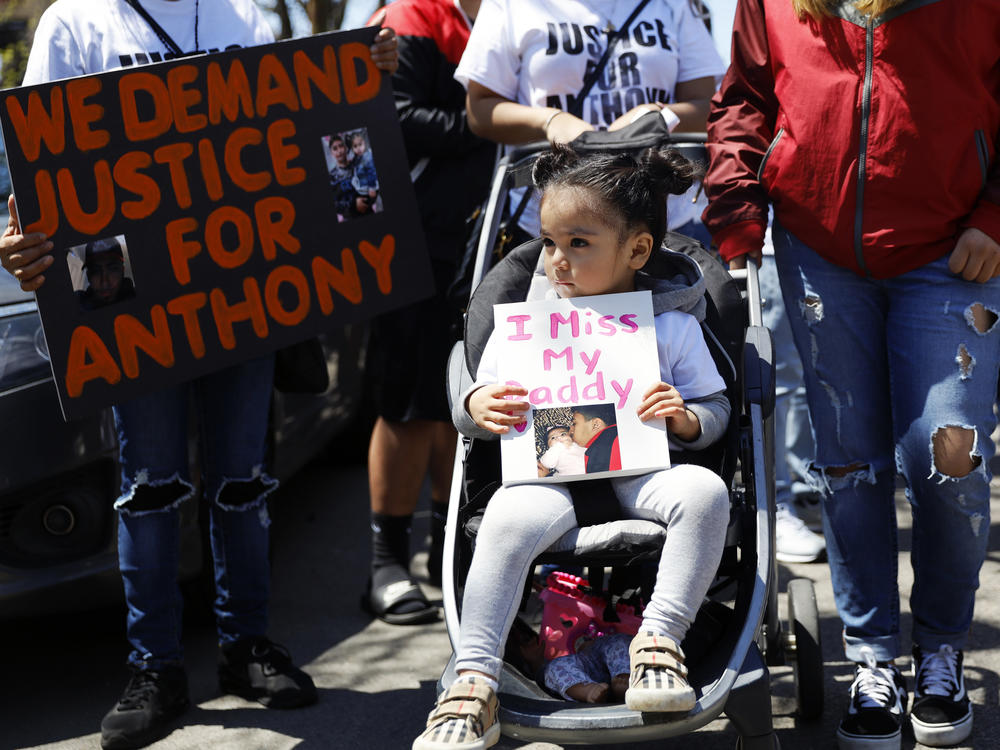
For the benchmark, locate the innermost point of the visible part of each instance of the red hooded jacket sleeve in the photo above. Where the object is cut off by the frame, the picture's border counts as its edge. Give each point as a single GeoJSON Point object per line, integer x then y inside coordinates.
{"type": "Point", "coordinates": [740, 128]}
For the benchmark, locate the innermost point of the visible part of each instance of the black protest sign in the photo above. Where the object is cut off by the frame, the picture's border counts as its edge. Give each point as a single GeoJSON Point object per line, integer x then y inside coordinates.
{"type": "Point", "coordinates": [211, 209]}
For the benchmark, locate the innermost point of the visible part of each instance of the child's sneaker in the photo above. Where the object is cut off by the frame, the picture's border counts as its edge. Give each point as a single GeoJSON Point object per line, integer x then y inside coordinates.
{"type": "Point", "coordinates": [465, 718]}
{"type": "Point", "coordinates": [941, 713]}
{"type": "Point", "coordinates": [875, 715]}
{"type": "Point", "coordinates": [658, 681]}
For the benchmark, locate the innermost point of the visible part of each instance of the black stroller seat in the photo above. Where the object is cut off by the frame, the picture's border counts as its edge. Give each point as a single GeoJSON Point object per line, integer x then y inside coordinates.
{"type": "Point", "coordinates": [727, 643]}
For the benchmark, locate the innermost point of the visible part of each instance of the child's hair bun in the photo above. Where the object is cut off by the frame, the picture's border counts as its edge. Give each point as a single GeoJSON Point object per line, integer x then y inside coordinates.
{"type": "Point", "coordinates": [667, 168]}
{"type": "Point", "coordinates": [634, 186]}
{"type": "Point", "coordinates": [556, 161]}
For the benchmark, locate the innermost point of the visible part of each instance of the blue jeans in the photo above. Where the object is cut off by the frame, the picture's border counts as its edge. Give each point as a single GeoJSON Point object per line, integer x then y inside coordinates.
{"type": "Point", "coordinates": [232, 408]}
{"type": "Point", "coordinates": [888, 363]}
{"type": "Point", "coordinates": [793, 441]}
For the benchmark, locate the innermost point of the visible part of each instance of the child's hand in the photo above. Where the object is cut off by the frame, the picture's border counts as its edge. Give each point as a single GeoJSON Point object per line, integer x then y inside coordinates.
{"type": "Point", "coordinates": [663, 400]}
{"type": "Point", "coordinates": [491, 411]}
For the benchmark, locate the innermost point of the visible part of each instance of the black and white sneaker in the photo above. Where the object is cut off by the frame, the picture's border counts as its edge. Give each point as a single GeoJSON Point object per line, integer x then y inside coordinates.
{"type": "Point", "coordinates": [878, 699]}
{"type": "Point", "coordinates": [941, 713]}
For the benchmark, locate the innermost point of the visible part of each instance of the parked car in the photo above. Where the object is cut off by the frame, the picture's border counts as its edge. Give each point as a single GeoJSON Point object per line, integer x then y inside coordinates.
{"type": "Point", "coordinates": [59, 480]}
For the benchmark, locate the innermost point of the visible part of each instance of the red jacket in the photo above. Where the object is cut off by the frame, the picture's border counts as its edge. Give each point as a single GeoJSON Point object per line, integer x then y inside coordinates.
{"type": "Point", "coordinates": [603, 451]}
{"type": "Point", "coordinates": [876, 141]}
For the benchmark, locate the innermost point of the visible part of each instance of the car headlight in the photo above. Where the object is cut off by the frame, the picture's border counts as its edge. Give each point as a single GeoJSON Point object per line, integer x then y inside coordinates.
{"type": "Point", "coordinates": [24, 357]}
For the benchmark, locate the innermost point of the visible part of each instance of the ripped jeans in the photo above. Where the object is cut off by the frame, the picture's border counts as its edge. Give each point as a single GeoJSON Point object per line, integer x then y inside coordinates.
{"type": "Point", "coordinates": [888, 364]}
{"type": "Point", "coordinates": [232, 408]}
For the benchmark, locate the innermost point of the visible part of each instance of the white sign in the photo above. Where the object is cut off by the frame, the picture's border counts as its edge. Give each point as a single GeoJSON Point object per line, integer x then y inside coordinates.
{"type": "Point", "coordinates": [585, 363]}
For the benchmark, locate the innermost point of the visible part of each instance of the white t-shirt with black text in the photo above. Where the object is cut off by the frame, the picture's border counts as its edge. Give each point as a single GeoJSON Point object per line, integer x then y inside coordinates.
{"type": "Point", "coordinates": [538, 52]}
{"type": "Point", "coordinates": [80, 37]}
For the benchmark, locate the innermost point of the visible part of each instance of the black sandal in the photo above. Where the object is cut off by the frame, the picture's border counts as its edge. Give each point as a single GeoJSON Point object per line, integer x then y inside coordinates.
{"type": "Point", "coordinates": [381, 602]}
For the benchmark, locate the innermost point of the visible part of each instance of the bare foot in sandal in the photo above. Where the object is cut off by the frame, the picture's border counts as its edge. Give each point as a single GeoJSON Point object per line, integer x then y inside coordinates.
{"type": "Point", "coordinates": [394, 597]}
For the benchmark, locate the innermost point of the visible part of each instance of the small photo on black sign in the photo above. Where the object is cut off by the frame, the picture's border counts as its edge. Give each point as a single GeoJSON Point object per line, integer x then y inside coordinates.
{"type": "Point", "coordinates": [100, 272]}
{"type": "Point", "coordinates": [353, 177]}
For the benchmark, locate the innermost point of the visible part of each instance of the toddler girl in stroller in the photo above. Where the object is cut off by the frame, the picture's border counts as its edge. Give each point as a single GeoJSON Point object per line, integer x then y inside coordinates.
{"type": "Point", "coordinates": [602, 217]}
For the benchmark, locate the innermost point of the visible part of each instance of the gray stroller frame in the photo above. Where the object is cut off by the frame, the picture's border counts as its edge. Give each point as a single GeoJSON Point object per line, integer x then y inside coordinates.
{"type": "Point", "coordinates": [731, 675]}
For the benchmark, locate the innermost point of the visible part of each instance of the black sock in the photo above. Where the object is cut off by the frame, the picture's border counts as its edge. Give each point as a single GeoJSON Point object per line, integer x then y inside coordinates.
{"type": "Point", "coordinates": [391, 543]}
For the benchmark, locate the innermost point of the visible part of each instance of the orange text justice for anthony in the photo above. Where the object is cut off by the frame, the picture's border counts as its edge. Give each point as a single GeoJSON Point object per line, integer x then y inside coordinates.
{"type": "Point", "coordinates": [186, 105]}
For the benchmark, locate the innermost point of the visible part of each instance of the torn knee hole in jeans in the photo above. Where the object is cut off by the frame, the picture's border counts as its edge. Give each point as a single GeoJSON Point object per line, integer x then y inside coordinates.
{"type": "Point", "coordinates": [838, 477]}
{"type": "Point", "coordinates": [954, 451]}
{"type": "Point", "coordinates": [155, 496]}
{"type": "Point", "coordinates": [244, 494]}
{"type": "Point", "coordinates": [981, 318]}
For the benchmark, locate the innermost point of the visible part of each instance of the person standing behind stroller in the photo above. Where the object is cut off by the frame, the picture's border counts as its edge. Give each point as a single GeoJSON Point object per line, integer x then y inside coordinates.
{"type": "Point", "coordinates": [846, 117]}
{"type": "Point", "coordinates": [81, 37]}
{"type": "Point", "coordinates": [601, 218]}
{"type": "Point", "coordinates": [413, 436]}
{"type": "Point", "coordinates": [526, 62]}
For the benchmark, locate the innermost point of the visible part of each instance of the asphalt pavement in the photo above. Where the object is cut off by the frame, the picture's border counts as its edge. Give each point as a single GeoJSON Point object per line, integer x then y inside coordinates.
{"type": "Point", "coordinates": [376, 682]}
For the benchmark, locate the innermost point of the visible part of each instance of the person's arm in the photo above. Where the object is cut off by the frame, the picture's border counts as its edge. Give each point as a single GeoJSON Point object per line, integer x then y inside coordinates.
{"type": "Point", "coordinates": [663, 400]}
{"type": "Point", "coordinates": [687, 115]}
{"type": "Point", "coordinates": [54, 54]}
{"type": "Point", "coordinates": [740, 129]}
{"type": "Point", "coordinates": [713, 413]}
{"type": "Point", "coordinates": [504, 121]}
{"type": "Point", "coordinates": [429, 129]}
{"type": "Point", "coordinates": [685, 359]}
{"type": "Point", "coordinates": [692, 101]}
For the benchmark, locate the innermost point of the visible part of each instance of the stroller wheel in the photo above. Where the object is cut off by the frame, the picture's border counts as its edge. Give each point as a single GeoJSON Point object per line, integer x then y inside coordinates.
{"type": "Point", "coordinates": [803, 649]}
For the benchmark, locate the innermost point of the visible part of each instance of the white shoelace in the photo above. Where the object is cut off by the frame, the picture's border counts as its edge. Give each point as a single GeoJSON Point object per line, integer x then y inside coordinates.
{"type": "Point", "coordinates": [938, 674]}
{"type": "Point", "coordinates": [875, 686]}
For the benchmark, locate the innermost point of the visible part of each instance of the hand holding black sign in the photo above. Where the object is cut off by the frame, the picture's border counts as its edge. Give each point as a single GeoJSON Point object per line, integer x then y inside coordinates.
{"type": "Point", "coordinates": [212, 175]}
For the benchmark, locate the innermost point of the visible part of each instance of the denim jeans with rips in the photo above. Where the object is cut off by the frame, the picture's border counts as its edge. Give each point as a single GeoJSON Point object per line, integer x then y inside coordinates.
{"type": "Point", "coordinates": [793, 441]}
{"type": "Point", "coordinates": [232, 408]}
{"type": "Point", "coordinates": [888, 363]}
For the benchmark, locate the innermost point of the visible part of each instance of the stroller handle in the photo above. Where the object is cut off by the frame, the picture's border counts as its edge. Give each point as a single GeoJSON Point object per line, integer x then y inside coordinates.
{"type": "Point", "coordinates": [750, 275]}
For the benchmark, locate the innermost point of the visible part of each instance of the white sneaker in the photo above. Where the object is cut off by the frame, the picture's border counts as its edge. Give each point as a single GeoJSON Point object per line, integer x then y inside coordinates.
{"type": "Point", "coordinates": [793, 541]}
{"type": "Point", "coordinates": [807, 506]}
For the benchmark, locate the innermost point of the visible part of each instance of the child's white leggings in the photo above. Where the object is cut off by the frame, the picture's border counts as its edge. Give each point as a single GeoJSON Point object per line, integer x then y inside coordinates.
{"type": "Point", "coordinates": [524, 520]}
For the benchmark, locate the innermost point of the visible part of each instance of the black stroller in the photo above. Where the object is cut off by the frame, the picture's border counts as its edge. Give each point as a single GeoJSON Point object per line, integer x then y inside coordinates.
{"type": "Point", "coordinates": [738, 631]}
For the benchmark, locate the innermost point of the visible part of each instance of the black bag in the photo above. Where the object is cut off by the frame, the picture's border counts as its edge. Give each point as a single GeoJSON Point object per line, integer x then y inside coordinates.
{"type": "Point", "coordinates": [648, 131]}
{"type": "Point", "coordinates": [301, 368]}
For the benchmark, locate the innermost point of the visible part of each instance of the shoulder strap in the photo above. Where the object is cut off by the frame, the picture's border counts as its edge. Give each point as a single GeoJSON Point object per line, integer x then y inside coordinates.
{"type": "Point", "coordinates": [588, 83]}
{"type": "Point", "coordinates": [167, 40]}
{"type": "Point", "coordinates": [590, 80]}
